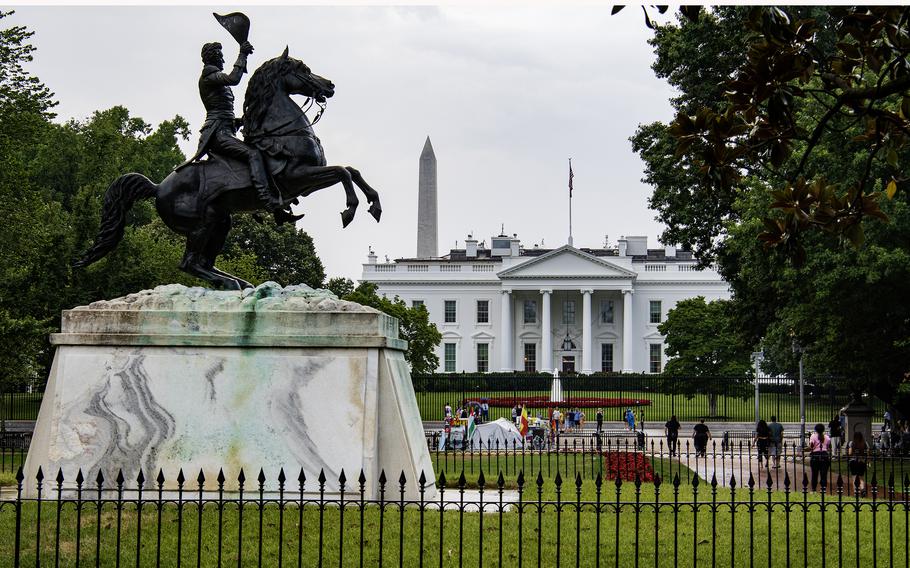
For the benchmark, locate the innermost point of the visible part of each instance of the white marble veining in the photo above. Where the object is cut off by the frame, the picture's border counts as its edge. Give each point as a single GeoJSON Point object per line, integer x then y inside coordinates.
{"type": "Point", "coordinates": [119, 401]}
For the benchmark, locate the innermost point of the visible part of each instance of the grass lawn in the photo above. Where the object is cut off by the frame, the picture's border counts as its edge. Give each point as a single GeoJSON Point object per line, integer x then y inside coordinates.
{"type": "Point", "coordinates": [707, 527]}
{"type": "Point", "coordinates": [784, 406]}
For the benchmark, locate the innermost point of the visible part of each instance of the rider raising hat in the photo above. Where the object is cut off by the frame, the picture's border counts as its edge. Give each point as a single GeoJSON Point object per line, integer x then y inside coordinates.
{"type": "Point", "coordinates": [218, 133]}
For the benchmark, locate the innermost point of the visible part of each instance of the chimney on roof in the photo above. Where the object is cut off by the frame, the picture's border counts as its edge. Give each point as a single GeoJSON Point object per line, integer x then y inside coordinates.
{"type": "Point", "coordinates": [371, 256]}
{"type": "Point", "coordinates": [623, 246]}
{"type": "Point", "coordinates": [427, 227]}
{"type": "Point", "coordinates": [470, 247]}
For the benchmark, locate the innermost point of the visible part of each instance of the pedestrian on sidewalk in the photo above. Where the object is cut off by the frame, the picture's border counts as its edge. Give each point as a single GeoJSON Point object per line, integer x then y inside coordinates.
{"type": "Point", "coordinates": [776, 440]}
{"type": "Point", "coordinates": [762, 440]}
{"type": "Point", "coordinates": [857, 451]}
{"type": "Point", "coordinates": [600, 420]}
{"type": "Point", "coordinates": [835, 431]}
{"type": "Point", "coordinates": [671, 428]}
{"type": "Point", "coordinates": [819, 456]}
{"type": "Point", "coordinates": [701, 437]}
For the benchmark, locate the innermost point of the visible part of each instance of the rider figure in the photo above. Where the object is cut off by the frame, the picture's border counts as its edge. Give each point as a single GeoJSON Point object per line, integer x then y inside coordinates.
{"type": "Point", "coordinates": [218, 133]}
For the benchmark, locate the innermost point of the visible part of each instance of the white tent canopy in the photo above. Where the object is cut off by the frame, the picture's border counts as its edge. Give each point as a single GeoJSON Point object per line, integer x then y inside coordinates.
{"type": "Point", "coordinates": [502, 431]}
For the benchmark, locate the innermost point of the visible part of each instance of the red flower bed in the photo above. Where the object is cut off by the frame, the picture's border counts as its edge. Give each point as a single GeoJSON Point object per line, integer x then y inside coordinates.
{"type": "Point", "coordinates": [580, 402]}
{"type": "Point", "coordinates": [624, 465]}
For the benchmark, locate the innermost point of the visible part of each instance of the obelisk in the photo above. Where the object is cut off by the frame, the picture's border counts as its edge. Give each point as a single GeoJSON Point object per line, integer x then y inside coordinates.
{"type": "Point", "coordinates": [427, 227]}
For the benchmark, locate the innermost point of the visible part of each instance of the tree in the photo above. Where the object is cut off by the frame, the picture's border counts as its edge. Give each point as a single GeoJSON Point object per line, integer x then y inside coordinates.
{"type": "Point", "coordinates": [284, 254]}
{"type": "Point", "coordinates": [340, 286]}
{"type": "Point", "coordinates": [413, 326]}
{"type": "Point", "coordinates": [810, 79]}
{"type": "Point", "coordinates": [842, 303]}
{"type": "Point", "coordinates": [702, 346]}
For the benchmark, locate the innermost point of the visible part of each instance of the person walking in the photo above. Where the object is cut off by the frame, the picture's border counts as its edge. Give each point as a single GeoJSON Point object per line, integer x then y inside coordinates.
{"type": "Point", "coordinates": [447, 411]}
{"type": "Point", "coordinates": [819, 456]}
{"type": "Point", "coordinates": [600, 420]}
{"type": "Point", "coordinates": [701, 436]}
{"type": "Point", "coordinates": [776, 440]}
{"type": "Point", "coordinates": [857, 450]}
{"type": "Point", "coordinates": [834, 430]}
{"type": "Point", "coordinates": [671, 429]}
{"type": "Point", "coordinates": [630, 419]}
{"type": "Point", "coordinates": [762, 441]}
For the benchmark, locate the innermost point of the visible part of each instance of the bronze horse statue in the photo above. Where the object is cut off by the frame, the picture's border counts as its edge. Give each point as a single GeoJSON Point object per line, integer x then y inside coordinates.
{"type": "Point", "coordinates": [197, 200]}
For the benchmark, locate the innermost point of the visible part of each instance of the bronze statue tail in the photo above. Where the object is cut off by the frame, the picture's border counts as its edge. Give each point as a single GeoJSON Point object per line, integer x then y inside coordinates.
{"type": "Point", "coordinates": [118, 199]}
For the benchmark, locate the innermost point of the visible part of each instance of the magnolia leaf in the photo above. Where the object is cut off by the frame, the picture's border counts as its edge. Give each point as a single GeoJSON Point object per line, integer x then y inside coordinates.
{"type": "Point", "coordinates": [616, 9]}
{"type": "Point", "coordinates": [892, 158]}
{"type": "Point", "coordinates": [855, 234]}
{"type": "Point", "coordinates": [891, 189]}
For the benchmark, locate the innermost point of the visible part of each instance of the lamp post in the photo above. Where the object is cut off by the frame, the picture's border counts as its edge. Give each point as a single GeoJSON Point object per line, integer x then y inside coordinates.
{"type": "Point", "coordinates": [799, 349]}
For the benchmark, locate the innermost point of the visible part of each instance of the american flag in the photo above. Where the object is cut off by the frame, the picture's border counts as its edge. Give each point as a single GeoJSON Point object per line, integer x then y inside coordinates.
{"type": "Point", "coordinates": [571, 175]}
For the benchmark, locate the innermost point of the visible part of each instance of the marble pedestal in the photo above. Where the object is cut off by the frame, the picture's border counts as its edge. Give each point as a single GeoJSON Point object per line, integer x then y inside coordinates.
{"type": "Point", "coordinates": [195, 379]}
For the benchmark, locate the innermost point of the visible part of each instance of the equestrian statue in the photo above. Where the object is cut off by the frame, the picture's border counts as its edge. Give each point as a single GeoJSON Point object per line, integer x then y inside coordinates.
{"type": "Point", "coordinates": [279, 160]}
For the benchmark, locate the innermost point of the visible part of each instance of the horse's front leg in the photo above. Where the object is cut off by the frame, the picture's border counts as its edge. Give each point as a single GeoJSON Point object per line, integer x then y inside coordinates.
{"type": "Point", "coordinates": [320, 177]}
{"type": "Point", "coordinates": [371, 194]}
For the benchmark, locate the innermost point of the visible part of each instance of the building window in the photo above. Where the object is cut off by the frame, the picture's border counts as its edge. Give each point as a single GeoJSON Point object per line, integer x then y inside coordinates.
{"type": "Point", "coordinates": [483, 357]}
{"type": "Point", "coordinates": [530, 357]}
{"type": "Point", "coordinates": [568, 363]}
{"type": "Point", "coordinates": [450, 311]}
{"type": "Point", "coordinates": [530, 311]}
{"type": "Point", "coordinates": [568, 312]}
{"type": "Point", "coordinates": [606, 311]}
{"type": "Point", "coordinates": [654, 360]}
{"type": "Point", "coordinates": [483, 311]}
{"type": "Point", "coordinates": [450, 351]}
{"type": "Point", "coordinates": [655, 311]}
{"type": "Point", "coordinates": [416, 303]}
{"type": "Point", "coordinates": [606, 357]}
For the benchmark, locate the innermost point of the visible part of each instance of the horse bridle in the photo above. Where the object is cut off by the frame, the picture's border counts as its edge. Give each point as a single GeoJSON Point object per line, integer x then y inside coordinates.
{"type": "Point", "coordinates": [310, 101]}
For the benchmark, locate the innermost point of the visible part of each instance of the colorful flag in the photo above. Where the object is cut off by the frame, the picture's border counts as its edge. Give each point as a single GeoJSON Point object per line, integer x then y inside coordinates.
{"type": "Point", "coordinates": [571, 175]}
{"type": "Point", "coordinates": [523, 424]}
{"type": "Point", "coordinates": [471, 426]}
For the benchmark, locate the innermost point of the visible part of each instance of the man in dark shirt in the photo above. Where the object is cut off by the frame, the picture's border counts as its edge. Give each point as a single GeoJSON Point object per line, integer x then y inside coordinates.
{"type": "Point", "coordinates": [702, 435]}
{"type": "Point", "coordinates": [672, 430]}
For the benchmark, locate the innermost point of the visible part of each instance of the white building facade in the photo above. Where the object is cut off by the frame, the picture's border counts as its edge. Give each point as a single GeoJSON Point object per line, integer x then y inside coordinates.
{"type": "Point", "coordinates": [507, 308]}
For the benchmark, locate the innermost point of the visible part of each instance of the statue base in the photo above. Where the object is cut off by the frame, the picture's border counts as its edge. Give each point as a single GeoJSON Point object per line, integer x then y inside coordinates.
{"type": "Point", "coordinates": [193, 379]}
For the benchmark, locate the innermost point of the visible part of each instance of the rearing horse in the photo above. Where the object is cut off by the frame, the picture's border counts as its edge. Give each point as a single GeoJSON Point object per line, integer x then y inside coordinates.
{"type": "Point", "coordinates": [197, 200]}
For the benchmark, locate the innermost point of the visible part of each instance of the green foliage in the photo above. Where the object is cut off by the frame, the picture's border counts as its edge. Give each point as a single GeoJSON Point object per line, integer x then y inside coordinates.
{"type": "Point", "coordinates": [761, 155]}
{"type": "Point", "coordinates": [284, 254]}
{"type": "Point", "coordinates": [701, 342]}
{"type": "Point", "coordinates": [413, 326]}
{"type": "Point", "coordinates": [340, 286]}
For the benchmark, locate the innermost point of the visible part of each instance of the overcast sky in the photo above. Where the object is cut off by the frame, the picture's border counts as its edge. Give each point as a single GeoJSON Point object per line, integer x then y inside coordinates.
{"type": "Point", "coordinates": [506, 93]}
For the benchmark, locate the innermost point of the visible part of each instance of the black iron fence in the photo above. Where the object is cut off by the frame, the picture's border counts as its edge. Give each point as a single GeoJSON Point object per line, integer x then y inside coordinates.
{"type": "Point", "coordinates": [658, 397]}
{"type": "Point", "coordinates": [613, 505]}
{"type": "Point", "coordinates": [13, 450]}
{"type": "Point", "coordinates": [20, 405]}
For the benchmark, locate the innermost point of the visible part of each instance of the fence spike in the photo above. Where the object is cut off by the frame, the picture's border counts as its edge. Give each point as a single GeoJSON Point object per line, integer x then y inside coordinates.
{"type": "Point", "coordinates": [180, 478]}
{"type": "Point", "coordinates": [714, 480]}
{"type": "Point", "coordinates": [120, 479]}
{"type": "Point", "coordinates": [200, 479]}
{"type": "Point", "coordinates": [221, 478]}
{"type": "Point", "coordinates": [769, 482]}
{"type": "Point", "coordinates": [732, 481]}
{"type": "Point", "coordinates": [786, 481]}
{"type": "Point", "coordinates": [382, 477]}
{"type": "Point", "coordinates": [282, 477]}
{"type": "Point", "coordinates": [442, 478]}
{"type": "Point", "coordinates": [539, 479]}
{"type": "Point", "coordinates": [301, 477]}
{"type": "Point", "coordinates": [481, 480]}
{"type": "Point", "coordinates": [521, 479]}
{"type": "Point", "coordinates": [578, 480]}
{"type": "Point", "coordinates": [80, 479]}
{"type": "Point", "coordinates": [500, 481]}
{"type": "Point", "coordinates": [99, 479]}
{"type": "Point", "coordinates": [140, 479]}
{"type": "Point", "coordinates": [160, 478]}
{"type": "Point", "coordinates": [20, 475]}
{"type": "Point", "coordinates": [462, 482]}
{"type": "Point", "coordinates": [558, 480]}
{"type": "Point", "coordinates": [676, 480]}
{"type": "Point", "coordinates": [422, 480]}
{"type": "Point", "coordinates": [751, 482]}
{"type": "Point", "coordinates": [59, 476]}
{"type": "Point", "coordinates": [362, 479]}
{"type": "Point", "coordinates": [840, 483]}
{"type": "Point", "coordinates": [241, 477]}
{"type": "Point", "coordinates": [696, 481]}
{"type": "Point", "coordinates": [402, 479]}
{"type": "Point", "coordinates": [261, 477]}
{"type": "Point", "coordinates": [805, 481]}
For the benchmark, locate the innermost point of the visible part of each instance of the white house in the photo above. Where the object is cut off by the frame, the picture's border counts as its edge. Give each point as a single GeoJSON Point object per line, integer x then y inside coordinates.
{"type": "Point", "coordinates": [506, 307]}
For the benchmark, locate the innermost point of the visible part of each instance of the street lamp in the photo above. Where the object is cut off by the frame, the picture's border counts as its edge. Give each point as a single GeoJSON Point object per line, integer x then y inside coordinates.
{"type": "Point", "coordinates": [799, 349]}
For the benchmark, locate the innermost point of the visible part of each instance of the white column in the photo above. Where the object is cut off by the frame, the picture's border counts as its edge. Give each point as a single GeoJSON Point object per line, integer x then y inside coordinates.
{"type": "Point", "coordinates": [546, 333]}
{"type": "Point", "coordinates": [506, 332]}
{"type": "Point", "coordinates": [586, 330]}
{"type": "Point", "coordinates": [627, 331]}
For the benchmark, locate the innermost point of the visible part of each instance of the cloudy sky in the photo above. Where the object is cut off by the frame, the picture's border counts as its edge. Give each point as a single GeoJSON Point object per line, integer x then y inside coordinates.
{"type": "Point", "coordinates": [506, 93]}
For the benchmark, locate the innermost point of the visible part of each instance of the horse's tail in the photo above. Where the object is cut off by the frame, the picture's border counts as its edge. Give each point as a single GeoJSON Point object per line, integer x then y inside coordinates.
{"type": "Point", "coordinates": [118, 199]}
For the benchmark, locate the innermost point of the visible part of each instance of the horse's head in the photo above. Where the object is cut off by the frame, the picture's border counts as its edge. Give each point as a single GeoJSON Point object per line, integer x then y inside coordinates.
{"type": "Point", "coordinates": [299, 80]}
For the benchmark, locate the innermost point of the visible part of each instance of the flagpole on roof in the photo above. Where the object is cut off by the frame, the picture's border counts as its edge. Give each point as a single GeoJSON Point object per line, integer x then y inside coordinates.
{"type": "Point", "coordinates": [571, 175]}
